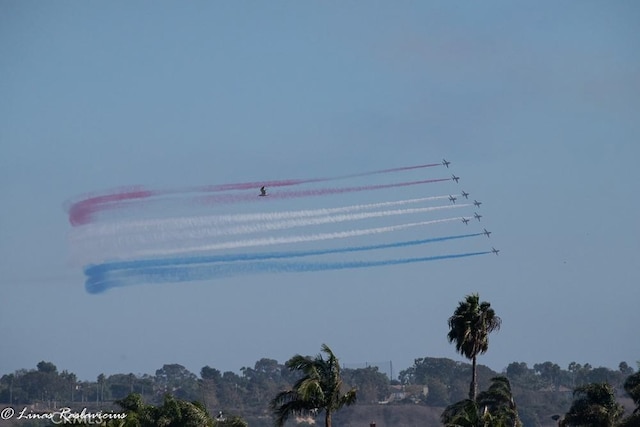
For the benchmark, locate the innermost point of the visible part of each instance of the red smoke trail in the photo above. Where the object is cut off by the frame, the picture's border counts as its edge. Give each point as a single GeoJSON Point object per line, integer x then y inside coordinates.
{"type": "Point", "coordinates": [234, 198]}
{"type": "Point", "coordinates": [289, 182]}
{"type": "Point", "coordinates": [81, 212]}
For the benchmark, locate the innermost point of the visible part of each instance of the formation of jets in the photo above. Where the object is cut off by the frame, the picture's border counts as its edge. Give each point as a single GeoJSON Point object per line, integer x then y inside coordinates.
{"type": "Point", "coordinates": [263, 192]}
{"type": "Point", "coordinates": [476, 203]}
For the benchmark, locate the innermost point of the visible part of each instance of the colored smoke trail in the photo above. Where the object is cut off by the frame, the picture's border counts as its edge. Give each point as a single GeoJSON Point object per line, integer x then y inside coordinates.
{"type": "Point", "coordinates": [235, 198]}
{"type": "Point", "coordinates": [159, 225]}
{"type": "Point", "coordinates": [94, 271]}
{"type": "Point", "coordinates": [289, 182]}
{"type": "Point", "coordinates": [268, 241]}
{"type": "Point", "coordinates": [197, 272]}
{"type": "Point", "coordinates": [81, 212]}
{"type": "Point", "coordinates": [190, 234]}
{"type": "Point", "coordinates": [144, 237]}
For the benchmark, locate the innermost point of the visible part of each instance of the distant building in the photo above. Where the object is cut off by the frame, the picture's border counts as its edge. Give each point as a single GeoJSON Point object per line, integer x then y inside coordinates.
{"type": "Point", "coordinates": [416, 393]}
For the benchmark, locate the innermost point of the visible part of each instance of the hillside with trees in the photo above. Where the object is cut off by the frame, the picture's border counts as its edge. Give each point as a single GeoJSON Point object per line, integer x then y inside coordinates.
{"type": "Point", "coordinates": [420, 392]}
{"type": "Point", "coordinates": [313, 390]}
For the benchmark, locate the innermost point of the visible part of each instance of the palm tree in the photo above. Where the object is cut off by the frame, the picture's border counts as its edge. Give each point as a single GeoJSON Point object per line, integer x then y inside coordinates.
{"type": "Point", "coordinates": [173, 412]}
{"type": "Point", "coordinates": [493, 408]}
{"type": "Point", "coordinates": [470, 326]}
{"type": "Point", "coordinates": [319, 389]}
{"type": "Point", "coordinates": [593, 405]}
{"type": "Point", "coordinates": [462, 414]}
{"type": "Point", "coordinates": [498, 401]}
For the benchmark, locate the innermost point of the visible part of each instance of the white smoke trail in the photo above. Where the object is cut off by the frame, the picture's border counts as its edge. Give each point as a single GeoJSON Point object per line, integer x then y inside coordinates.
{"type": "Point", "coordinates": [98, 253]}
{"type": "Point", "coordinates": [268, 241]}
{"type": "Point", "coordinates": [159, 225]}
{"type": "Point", "coordinates": [140, 242]}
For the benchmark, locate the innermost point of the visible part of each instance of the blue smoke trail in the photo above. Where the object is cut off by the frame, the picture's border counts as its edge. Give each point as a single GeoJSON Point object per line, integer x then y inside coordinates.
{"type": "Point", "coordinates": [100, 269]}
{"type": "Point", "coordinates": [148, 271]}
{"type": "Point", "coordinates": [220, 270]}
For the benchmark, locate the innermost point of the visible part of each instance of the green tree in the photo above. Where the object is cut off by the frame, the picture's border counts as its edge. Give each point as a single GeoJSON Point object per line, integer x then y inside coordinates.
{"type": "Point", "coordinates": [436, 372]}
{"type": "Point", "coordinates": [264, 379]}
{"type": "Point", "coordinates": [498, 401]}
{"type": "Point", "coordinates": [172, 413]}
{"type": "Point", "coordinates": [101, 380]}
{"type": "Point", "coordinates": [593, 405]}
{"type": "Point", "coordinates": [625, 369]}
{"type": "Point", "coordinates": [319, 389]}
{"type": "Point", "coordinates": [178, 380]}
{"type": "Point", "coordinates": [211, 379]}
{"type": "Point", "coordinates": [231, 390]}
{"type": "Point", "coordinates": [632, 387]}
{"type": "Point", "coordinates": [494, 407]}
{"type": "Point", "coordinates": [464, 413]}
{"type": "Point", "coordinates": [138, 414]}
{"type": "Point", "coordinates": [372, 385]}
{"type": "Point", "coordinates": [180, 413]}
{"type": "Point", "coordinates": [469, 329]}
{"type": "Point", "coordinates": [47, 367]}
{"type": "Point", "coordinates": [549, 373]}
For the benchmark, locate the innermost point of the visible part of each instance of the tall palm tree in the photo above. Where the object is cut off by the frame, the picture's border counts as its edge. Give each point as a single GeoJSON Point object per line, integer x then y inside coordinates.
{"type": "Point", "coordinates": [469, 328]}
{"type": "Point", "coordinates": [593, 405]}
{"type": "Point", "coordinates": [319, 389]}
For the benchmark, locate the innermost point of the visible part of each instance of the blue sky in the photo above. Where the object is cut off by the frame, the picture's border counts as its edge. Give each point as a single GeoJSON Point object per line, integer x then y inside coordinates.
{"type": "Point", "coordinates": [537, 106]}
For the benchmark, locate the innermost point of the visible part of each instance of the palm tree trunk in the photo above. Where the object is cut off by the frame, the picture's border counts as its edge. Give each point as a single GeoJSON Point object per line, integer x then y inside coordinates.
{"type": "Point", "coordinates": [473, 388]}
{"type": "Point", "coordinates": [327, 419]}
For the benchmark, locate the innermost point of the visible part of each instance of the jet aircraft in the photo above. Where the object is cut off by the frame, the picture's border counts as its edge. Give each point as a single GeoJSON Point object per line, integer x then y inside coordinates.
{"type": "Point", "coordinates": [444, 162]}
{"type": "Point", "coordinates": [465, 220]}
{"type": "Point", "coordinates": [495, 251]}
{"type": "Point", "coordinates": [476, 216]}
{"type": "Point", "coordinates": [263, 191]}
{"type": "Point", "coordinates": [477, 203]}
{"type": "Point", "coordinates": [453, 199]}
{"type": "Point", "coordinates": [487, 233]}
{"type": "Point", "coordinates": [455, 178]}
{"type": "Point", "coordinates": [465, 194]}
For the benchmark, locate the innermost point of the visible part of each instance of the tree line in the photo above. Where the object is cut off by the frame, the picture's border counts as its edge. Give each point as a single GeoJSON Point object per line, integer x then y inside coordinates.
{"type": "Point", "coordinates": [306, 387]}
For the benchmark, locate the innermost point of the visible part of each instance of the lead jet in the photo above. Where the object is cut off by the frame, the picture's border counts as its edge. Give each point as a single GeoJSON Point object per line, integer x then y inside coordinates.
{"type": "Point", "coordinates": [477, 203]}
{"type": "Point", "coordinates": [465, 220]}
{"type": "Point", "coordinates": [487, 233]}
{"type": "Point", "coordinates": [476, 216]}
{"type": "Point", "coordinates": [465, 194]}
{"type": "Point", "coordinates": [495, 251]}
{"type": "Point", "coordinates": [444, 162]}
{"type": "Point", "coordinates": [452, 199]}
{"type": "Point", "coordinates": [263, 191]}
{"type": "Point", "coordinates": [455, 178]}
